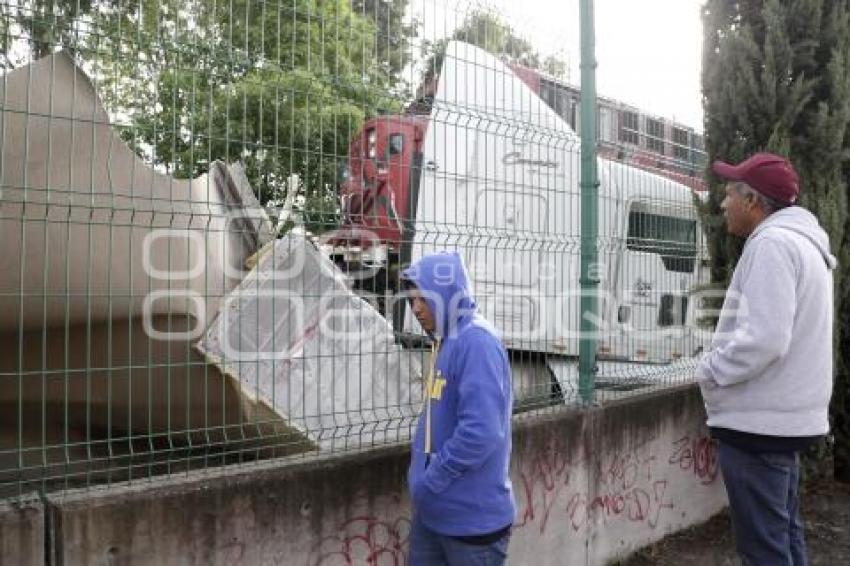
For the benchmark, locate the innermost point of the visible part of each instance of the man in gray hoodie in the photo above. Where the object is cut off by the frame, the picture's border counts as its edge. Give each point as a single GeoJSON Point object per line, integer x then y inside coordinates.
{"type": "Point", "coordinates": [767, 377]}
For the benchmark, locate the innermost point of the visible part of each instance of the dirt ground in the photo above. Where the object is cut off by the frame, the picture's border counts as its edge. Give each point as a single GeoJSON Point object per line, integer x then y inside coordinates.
{"type": "Point", "coordinates": [826, 513]}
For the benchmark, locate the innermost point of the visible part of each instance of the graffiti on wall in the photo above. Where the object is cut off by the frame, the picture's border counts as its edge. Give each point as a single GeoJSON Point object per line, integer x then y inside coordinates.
{"type": "Point", "coordinates": [696, 454]}
{"type": "Point", "coordinates": [629, 485]}
{"type": "Point", "coordinates": [365, 540]}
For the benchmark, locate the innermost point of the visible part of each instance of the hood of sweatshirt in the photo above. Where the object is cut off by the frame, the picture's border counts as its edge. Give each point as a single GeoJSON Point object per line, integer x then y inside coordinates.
{"type": "Point", "coordinates": [444, 283]}
{"type": "Point", "coordinates": [800, 221]}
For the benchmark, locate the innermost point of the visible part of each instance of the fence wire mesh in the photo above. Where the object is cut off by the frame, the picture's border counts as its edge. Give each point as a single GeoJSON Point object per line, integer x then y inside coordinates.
{"type": "Point", "coordinates": [205, 206]}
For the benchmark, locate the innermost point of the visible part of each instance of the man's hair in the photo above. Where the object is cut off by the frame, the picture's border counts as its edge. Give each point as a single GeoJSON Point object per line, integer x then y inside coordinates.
{"type": "Point", "coordinates": [768, 204]}
{"type": "Point", "coordinates": [406, 284]}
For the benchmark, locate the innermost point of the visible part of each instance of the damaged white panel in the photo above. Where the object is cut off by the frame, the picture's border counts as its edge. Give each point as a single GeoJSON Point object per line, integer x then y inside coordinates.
{"type": "Point", "coordinates": [109, 272]}
{"type": "Point", "coordinates": [298, 340]}
{"type": "Point", "coordinates": [89, 231]}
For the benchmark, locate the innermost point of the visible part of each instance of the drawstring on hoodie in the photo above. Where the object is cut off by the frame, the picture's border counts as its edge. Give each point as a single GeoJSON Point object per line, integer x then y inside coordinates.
{"type": "Point", "coordinates": [429, 383]}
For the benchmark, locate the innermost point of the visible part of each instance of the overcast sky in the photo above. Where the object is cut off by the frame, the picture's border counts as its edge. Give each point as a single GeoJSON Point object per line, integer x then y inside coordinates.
{"type": "Point", "coordinates": [649, 51]}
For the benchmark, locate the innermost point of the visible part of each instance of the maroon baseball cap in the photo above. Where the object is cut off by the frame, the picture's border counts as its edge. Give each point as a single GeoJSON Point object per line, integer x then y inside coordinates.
{"type": "Point", "coordinates": [769, 174]}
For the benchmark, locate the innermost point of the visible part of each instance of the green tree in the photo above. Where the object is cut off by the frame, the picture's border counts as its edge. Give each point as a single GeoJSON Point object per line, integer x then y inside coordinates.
{"type": "Point", "coordinates": [486, 29]}
{"type": "Point", "coordinates": [556, 67]}
{"type": "Point", "coordinates": [280, 86]}
{"type": "Point", "coordinates": [5, 36]}
{"type": "Point", "coordinates": [48, 23]}
{"type": "Point", "coordinates": [34, 28]}
{"type": "Point", "coordinates": [776, 77]}
{"type": "Point", "coordinates": [394, 37]}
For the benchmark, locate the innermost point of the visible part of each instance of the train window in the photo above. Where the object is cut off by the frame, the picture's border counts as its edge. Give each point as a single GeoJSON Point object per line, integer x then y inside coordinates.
{"type": "Point", "coordinates": [547, 94]}
{"type": "Point", "coordinates": [629, 127]}
{"type": "Point", "coordinates": [560, 99]}
{"type": "Point", "coordinates": [605, 128]}
{"type": "Point", "coordinates": [655, 135]}
{"type": "Point", "coordinates": [395, 145]}
{"type": "Point", "coordinates": [562, 104]}
{"type": "Point", "coordinates": [681, 143]}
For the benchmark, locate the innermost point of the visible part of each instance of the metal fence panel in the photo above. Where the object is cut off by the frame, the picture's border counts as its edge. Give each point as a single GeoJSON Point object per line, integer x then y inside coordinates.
{"type": "Point", "coordinates": [205, 207]}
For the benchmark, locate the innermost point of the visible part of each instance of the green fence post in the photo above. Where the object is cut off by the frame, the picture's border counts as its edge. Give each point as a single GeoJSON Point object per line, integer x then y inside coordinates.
{"type": "Point", "coordinates": [589, 206]}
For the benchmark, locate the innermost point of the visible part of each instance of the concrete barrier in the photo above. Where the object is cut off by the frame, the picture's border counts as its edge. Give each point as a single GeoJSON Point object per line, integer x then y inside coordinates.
{"type": "Point", "coordinates": [591, 486]}
{"type": "Point", "coordinates": [22, 532]}
{"type": "Point", "coordinates": [595, 486]}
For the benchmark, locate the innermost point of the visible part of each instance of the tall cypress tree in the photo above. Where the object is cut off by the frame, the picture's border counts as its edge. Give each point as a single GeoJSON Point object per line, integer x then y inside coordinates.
{"type": "Point", "coordinates": [776, 77]}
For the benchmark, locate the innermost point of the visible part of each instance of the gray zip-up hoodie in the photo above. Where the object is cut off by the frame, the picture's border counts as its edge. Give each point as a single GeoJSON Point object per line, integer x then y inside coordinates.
{"type": "Point", "coordinates": [769, 368]}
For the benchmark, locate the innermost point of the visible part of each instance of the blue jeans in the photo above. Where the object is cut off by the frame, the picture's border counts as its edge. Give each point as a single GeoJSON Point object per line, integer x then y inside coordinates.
{"type": "Point", "coordinates": [428, 548]}
{"type": "Point", "coordinates": [765, 506]}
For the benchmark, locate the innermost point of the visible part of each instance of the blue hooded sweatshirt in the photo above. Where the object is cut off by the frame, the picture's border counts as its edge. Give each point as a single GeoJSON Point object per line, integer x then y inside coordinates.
{"type": "Point", "coordinates": [463, 488]}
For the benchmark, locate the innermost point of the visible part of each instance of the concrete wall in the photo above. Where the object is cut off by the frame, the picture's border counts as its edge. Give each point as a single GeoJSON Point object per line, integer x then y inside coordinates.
{"type": "Point", "coordinates": [596, 486]}
{"type": "Point", "coordinates": [22, 532]}
{"type": "Point", "coordinates": [590, 486]}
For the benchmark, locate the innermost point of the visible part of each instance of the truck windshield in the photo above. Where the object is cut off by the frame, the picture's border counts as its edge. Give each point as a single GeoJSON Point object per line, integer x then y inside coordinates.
{"type": "Point", "coordinates": [395, 145]}
{"type": "Point", "coordinates": [675, 239]}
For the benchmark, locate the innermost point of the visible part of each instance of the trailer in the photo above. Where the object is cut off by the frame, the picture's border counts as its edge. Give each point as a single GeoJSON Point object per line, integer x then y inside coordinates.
{"type": "Point", "coordinates": [493, 172]}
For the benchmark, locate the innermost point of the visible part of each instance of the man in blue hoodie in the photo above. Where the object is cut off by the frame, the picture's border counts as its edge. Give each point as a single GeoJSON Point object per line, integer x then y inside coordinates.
{"type": "Point", "coordinates": [463, 504]}
{"type": "Point", "coordinates": [767, 378]}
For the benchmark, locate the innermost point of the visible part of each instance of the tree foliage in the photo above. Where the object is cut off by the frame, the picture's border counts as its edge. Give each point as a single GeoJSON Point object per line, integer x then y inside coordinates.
{"type": "Point", "coordinates": [776, 77]}
{"type": "Point", "coordinates": [486, 29]}
{"type": "Point", "coordinates": [281, 86]}
{"type": "Point", "coordinates": [394, 37]}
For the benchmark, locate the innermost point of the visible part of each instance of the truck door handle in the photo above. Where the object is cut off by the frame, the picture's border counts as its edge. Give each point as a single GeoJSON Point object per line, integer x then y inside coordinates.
{"type": "Point", "coordinates": [430, 165]}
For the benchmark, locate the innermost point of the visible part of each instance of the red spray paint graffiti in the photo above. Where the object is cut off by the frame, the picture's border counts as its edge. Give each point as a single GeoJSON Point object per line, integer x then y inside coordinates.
{"type": "Point", "coordinates": [545, 478]}
{"type": "Point", "coordinates": [634, 504]}
{"type": "Point", "coordinates": [627, 486]}
{"type": "Point", "coordinates": [365, 540]}
{"type": "Point", "coordinates": [698, 455]}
